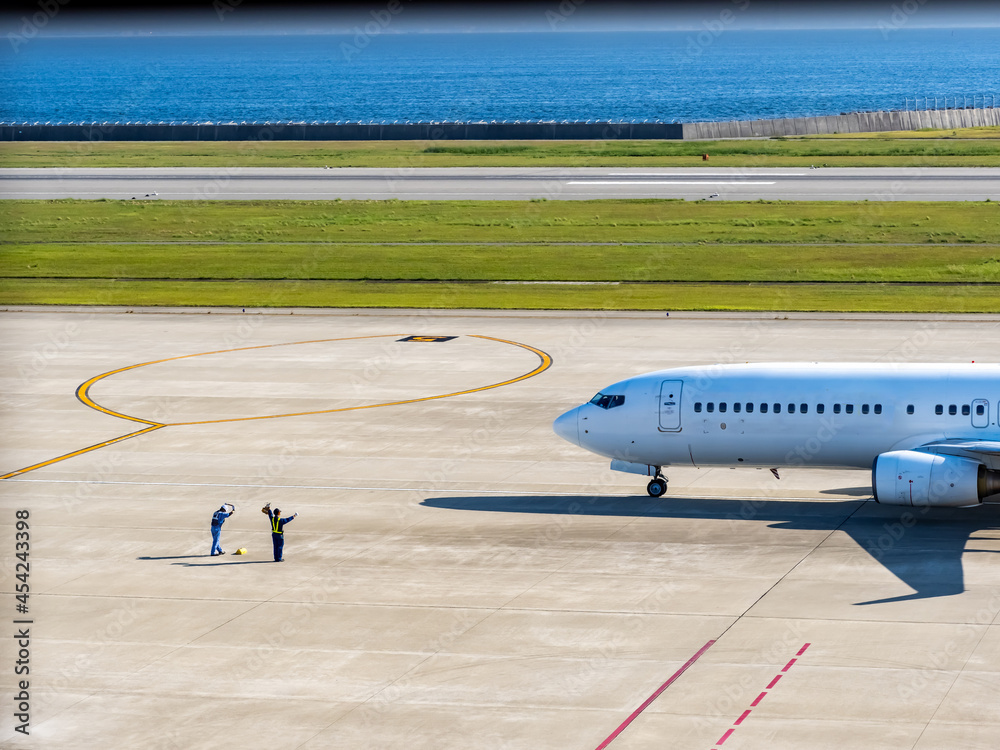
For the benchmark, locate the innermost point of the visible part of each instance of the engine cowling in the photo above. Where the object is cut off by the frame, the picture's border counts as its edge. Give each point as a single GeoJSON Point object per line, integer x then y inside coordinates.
{"type": "Point", "coordinates": [914, 478]}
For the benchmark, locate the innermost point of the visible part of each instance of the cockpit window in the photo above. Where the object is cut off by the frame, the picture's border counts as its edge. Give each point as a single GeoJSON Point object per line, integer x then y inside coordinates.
{"type": "Point", "coordinates": [607, 401]}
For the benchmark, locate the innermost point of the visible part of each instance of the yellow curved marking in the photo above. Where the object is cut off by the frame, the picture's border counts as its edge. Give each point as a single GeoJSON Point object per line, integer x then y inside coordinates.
{"type": "Point", "coordinates": [83, 394]}
{"type": "Point", "coordinates": [82, 450]}
{"type": "Point", "coordinates": [83, 391]}
{"type": "Point", "coordinates": [545, 364]}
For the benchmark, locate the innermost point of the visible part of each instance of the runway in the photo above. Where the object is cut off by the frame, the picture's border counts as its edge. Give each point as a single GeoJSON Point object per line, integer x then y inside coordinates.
{"type": "Point", "coordinates": [875, 184]}
{"type": "Point", "coordinates": [459, 577]}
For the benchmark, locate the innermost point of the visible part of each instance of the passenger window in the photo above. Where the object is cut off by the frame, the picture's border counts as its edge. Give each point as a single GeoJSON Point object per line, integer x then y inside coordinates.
{"type": "Point", "coordinates": [820, 408]}
{"type": "Point", "coordinates": [777, 408]}
{"type": "Point", "coordinates": [849, 408]}
{"type": "Point", "coordinates": [878, 408]}
{"type": "Point", "coordinates": [763, 408]}
{"type": "Point", "coordinates": [697, 407]}
{"type": "Point", "coordinates": [952, 410]}
{"type": "Point", "coordinates": [980, 410]}
{"type": "Point", "coordinates": [736, 407]}
{"type": "Point", "coordinates": [966, 411]}
{"type": "Point", "coordinates": [939, 409]}
{"type": "Point", "coordinates": [836, 408]}
{"type": "Point", "coordinates": [791, 408]}
{"type": "Point", "coordinates": [864, 408]}
{"type": "Point", "coordinates": [750, 407]}
{"type": "Point", "coordinates": [909, 408]}
{"type": "Point", "coordinates": [710, 406]}
{"type": "Point", "coordinates": [803, 408]}
{"type": "Point", "coordinates": [722, 407]}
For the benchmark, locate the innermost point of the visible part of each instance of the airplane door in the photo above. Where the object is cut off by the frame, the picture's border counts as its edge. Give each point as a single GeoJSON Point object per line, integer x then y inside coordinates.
{"type": "Point", "coordinates": [670, 405]}
{"type": "Point", "coordinates": [980, 413]}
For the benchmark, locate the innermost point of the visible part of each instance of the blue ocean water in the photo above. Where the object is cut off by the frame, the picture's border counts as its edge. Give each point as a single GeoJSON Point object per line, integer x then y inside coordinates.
{"type": "Point", "coordinates": [668, 76]}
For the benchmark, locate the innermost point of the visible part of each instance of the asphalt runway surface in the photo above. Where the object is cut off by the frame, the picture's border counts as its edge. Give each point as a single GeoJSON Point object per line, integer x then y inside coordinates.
{"type": "Point", "coordinates": [458, 576]}
{"type": "Point", "coordinates": [181, 183]}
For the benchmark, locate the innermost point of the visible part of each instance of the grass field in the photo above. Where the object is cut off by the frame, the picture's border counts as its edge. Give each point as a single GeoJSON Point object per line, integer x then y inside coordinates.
{"type": "Point", "coordinates": [968, 147]}
{"type": "Point", "coordinates": [534, 262]}
{"type": "Point", "coordinates": [502, 222]}
{"type": "Point", "coordinates": [987, 133]}
{"type": "Point", "coordinates": [885, 256]}
{"type": "Point", "coordinates": [654, 296]}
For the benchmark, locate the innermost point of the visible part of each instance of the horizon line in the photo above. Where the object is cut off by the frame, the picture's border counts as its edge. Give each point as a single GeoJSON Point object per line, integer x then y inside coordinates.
{"type": "Point", "coordinates": [468, 32]}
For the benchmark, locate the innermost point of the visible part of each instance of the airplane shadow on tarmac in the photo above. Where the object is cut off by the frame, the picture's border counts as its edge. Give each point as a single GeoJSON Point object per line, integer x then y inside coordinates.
{"type": "Point", "coordinates": [922, 547]}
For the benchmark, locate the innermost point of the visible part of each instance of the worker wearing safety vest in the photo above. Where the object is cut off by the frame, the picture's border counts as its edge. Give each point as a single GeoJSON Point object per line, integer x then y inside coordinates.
{"type": "Point", "coordinates": [277, 530]}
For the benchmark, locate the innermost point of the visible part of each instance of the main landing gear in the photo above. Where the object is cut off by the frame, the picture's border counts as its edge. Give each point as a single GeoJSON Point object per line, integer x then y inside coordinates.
{"type": "Point", "coordinates": [657, 486]}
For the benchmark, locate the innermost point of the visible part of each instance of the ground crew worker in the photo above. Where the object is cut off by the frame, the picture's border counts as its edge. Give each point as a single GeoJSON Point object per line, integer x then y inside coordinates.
{"type": "Point", "coordinates": [219, 518]}
{"type": "Point", "coordinates": [277, 530]}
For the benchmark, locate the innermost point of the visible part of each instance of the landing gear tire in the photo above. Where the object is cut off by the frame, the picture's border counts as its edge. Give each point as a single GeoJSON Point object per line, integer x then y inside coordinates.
{"type": "Point", "coordinates": [656, 487]}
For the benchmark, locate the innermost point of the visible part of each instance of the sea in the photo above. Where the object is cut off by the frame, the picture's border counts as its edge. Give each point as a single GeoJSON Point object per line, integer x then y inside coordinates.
{"type": "Point", "coordinates": [681, 76]}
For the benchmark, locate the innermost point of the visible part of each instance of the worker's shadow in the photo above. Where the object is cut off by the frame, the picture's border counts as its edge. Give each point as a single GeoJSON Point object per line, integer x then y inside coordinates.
{"type": "Point", "coordinates": [212, 564]}
{"type": "Point", "coordinates": [204, 564]}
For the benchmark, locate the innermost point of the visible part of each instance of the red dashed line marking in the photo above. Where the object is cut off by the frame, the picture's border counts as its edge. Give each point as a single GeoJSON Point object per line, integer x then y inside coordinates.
{"type": "Point", "coordinates": [655, 695]}
{"type": "Point", "coordinates": [759, 698]}
{"type": "Point", "coordinates": [725, 736]}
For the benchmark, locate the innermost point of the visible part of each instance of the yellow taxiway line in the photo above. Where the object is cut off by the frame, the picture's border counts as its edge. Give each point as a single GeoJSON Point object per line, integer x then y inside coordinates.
{"type": "Point", "coordinates": [83, 394]}
{"type": "Point", "coordinates": [106, 443]}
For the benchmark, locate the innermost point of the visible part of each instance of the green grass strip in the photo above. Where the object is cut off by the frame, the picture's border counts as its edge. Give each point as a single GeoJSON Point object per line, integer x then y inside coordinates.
{"type": "Point", "coordinates": [971, 147]}
{"type": "Point", "coordinates": [367, 222]}
{"type": "Point", "coordinates": [188, 250]}
{"type": "Point", "coordinates": [836, 263]}
{"type": "Point", "coordinates": [745, 297]}
{"type": "Point", "coordinates": [981, 133]}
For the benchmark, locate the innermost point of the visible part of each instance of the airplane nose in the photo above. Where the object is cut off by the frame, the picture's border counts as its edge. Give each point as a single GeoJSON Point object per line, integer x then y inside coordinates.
{"type": "Point", "coordinates": [567, 426]}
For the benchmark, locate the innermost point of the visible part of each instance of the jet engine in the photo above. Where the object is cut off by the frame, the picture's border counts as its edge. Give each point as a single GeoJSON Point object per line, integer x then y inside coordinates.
{"type": "Point", "coordinates": [914, 478]}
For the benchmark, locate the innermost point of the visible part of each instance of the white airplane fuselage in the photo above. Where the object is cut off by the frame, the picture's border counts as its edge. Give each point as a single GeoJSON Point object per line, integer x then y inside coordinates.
{"type": "Point", "coordinates": [775, 415]}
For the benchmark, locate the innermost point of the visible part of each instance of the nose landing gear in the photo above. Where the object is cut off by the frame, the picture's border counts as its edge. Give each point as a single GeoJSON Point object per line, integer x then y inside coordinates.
{"type": "Point", "coordinates": [657, 486]}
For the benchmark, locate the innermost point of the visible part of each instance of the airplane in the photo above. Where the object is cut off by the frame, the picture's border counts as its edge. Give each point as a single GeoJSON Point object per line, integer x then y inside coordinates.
{"type": "Point", "coordinates": [930, 433]}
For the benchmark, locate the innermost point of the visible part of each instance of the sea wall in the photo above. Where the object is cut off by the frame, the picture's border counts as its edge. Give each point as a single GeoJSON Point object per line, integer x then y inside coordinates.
{"type": "Point", "coordinates": [351, 131]}
{"type": "Point", "coordinates": [857, 122]}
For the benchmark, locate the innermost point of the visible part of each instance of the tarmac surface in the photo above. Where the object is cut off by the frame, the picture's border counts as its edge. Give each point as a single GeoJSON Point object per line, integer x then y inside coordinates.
{"type": "Point", "coordinates": [482, 183]}
{"type": "Point", "coordinates": [458, 576]}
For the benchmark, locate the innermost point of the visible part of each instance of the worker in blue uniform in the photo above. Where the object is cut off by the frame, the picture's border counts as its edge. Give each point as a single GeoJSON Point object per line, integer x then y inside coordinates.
{"type": "Point", "coordinates": [277, 530]}
{"type": "Point", "coordinates": [219, 518]}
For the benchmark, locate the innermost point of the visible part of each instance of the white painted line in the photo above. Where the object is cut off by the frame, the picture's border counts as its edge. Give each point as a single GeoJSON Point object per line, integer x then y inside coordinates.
{"type": "Point", "coordinates": [442, 490]}
{"type": "Point", "coordinates": [704, 174]}
{"type": "Point", "coordinates": [665, 182]}
{"type": "Point", "coordinates": [445, 490]}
